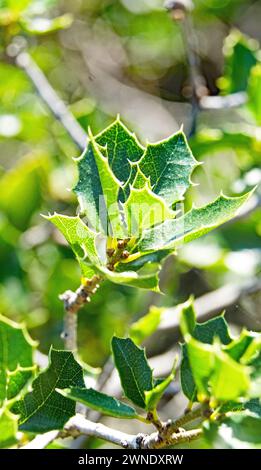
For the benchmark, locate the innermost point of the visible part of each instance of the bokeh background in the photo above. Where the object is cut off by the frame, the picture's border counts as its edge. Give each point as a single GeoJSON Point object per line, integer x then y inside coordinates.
{"type": "Point", "coordinates": [127, 57]}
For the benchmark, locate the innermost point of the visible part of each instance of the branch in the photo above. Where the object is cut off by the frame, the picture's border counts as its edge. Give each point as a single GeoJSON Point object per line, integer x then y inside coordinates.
{"type": "Point", "coordinates": [42, 440]}
{"type": "Point", "coordinates": [51, 98]}
{"type": "Point", "coordinates": [73, 301]}
{"type": "Point", "coordinates": [78, 425]}
{"type": "Point", "coordinates": [223, 102]}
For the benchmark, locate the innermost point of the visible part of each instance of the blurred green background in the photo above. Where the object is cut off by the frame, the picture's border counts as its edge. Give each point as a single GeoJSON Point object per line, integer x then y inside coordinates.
{"type": "Point", "coordinates": [127, 57]}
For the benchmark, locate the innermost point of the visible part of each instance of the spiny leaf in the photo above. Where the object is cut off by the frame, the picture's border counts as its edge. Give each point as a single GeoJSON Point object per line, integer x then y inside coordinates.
{"type": "Point", "coordinates": [169, 164]}
{"type": "Point", "coordinates": [143, 209]}
{"type": "Point", "coordinates": [153, 396]}
{"type": "Point", "coordinates": [81, 239]}
{"type": "Point", "coordinates": [239, 431]}
{"type": "Point", "coordinates": [44, 409]}
{"type": "Point", "coordinates": [140, 180]}
{"type": "Point", "coordinates": [122, 148]}
{"type": "Point", "coordinates": [146, 278]}
{"type": "Point", "coordinates": [16, 363]}
{"type": "Point", "coordinates": [133, 368]}
{"type": "Point", "coordinates": [239, 346]}
{"type": "Point", "coordinates": [206, 333]}
{"type": "Point", "coordinates": [98, 190]}
{"type": "Point", "coordinates": [136, 261]}
{"type": "Point", "coordinates": [194, 224]}
{"type": "Point", "coordinates": [99, 401]}
{"type": "Point", "coordinates": [215, 373]}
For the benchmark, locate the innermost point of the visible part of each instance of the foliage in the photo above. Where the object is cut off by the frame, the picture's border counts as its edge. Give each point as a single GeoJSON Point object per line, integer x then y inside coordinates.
{"type": "Point", "coordinates": [223, 368]}
{"type": "Point", "coordinates": [143, 216]}
{"type": "Point", "coordinates": [144, 74]}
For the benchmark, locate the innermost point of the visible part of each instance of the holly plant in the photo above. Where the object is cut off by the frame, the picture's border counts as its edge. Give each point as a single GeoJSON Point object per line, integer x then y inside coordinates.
{"type": "Point", "coordinates": [131, 201]}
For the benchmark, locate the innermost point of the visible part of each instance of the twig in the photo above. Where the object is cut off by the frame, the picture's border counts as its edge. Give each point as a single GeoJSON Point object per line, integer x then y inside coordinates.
{"type": "Point", "coordinates": [51, 98]}
{"type": "Point", "coordinates": [73, 301]}
{"type": "Point", "coordinates": [42, 440]}
{"type": "Point", "coordinates": [180, 11]}
{"type": "Point", "coordinates": [192, 415]}
{"type": "Point", "coordinates": [78, 425]}
{"type": "Point", "coordinates": [223, 102]}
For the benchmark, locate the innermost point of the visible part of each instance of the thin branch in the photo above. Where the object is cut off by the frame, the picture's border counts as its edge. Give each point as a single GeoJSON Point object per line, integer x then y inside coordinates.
{"type": "Point", "coordinates": [73, 301]}
{"type": "Point", "coordinates": [42, 440]}
{"type": "Point", "coordinates": [180, 12]}
{"type": "Point", "coordinates": [189, 417]}
{"type": "Point", "coordinates": [78, 425]}
{"type": "Point", "coordinates": [233, 100]}
{"type": "Point", "coordinates": [50, 97]}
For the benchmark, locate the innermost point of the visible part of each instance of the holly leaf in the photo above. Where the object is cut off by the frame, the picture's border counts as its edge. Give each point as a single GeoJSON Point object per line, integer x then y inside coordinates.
{"type": "Point", "coordinates": [192, 225]}
{"type": "Point", "coordinates": [44, 409]}
{"type": "Point", "coordinates": [153, 396]}
{"type": "Point", "coordinates": [215, 373]}
{"type": "Point", "coordinates": [169, 164]}
{"type": "Point", "coordinates": [98, 190]}
{"type": "Point", "coordinates": [134, 370]}
{"type": "Point", "coordinates": [204, 332]}
{"type": "Point", "coordinates": [143, 209]}
{"type": "Point", "coordinates": [81, 239]}
{"type": "Point", "coordinates": [239, 431]}
{"type": "Point", "coordinates": [16, 363]}
{"type": "Point", "coordinates": [122, 148]}
{"type": "Point", "coordinates": [101, 402]}
{"type": "Point", "coordinates": [126, 192]}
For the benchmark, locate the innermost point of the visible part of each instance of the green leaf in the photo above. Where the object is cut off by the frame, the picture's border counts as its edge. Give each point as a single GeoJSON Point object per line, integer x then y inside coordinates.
{"type": "Point", "coordinates": [193, 224]}
{"type": "Point", "coordinates": [240, 56]}
{"type": "Point", "coordinates": [215, 373]}
{"type": "Point", "coordinates": [186, 377]}
{"type": "Point", "coordinates": [147, 279]}
{"type": "Point", "coordinates": [98, 190]}
{"type": "Point", "coordinates": [255, 365]}
{"type": "Point", "coordinates": [8, 429]}
{"type": "Point", "coordinates": [169, 164]}
{"type": "Point", "coordinates": [187, 317]}
{"type": "Point", "coordinates": [239, 431]}
{"type": "Point", "coordinates": [146, 325]}
{"type": "Point", "coordinates": [99, 401]}
{"type": "Point", "coordinates": [16, 359]}
{"type": "Point", "coordinates": [204, 332]}
{"type": "Point", "coordinates": [239, 346]}
{"type": "Point", "coordinates": [122, 148]}
{"type": "Point", "coordinates": [81, 239]}
{"type": "Point", "coordinates": [44, 409]}
{"type": "Point", "coordinates": [143, 209]}
{"type": "Point", "coordinates": [254, 406]}
{"type": "Point", "coordinates": [153, 396]}
{"type": "Point", "coordinates": [133, 368]}
{"type": "Point", "coordinates": [254, 92]}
